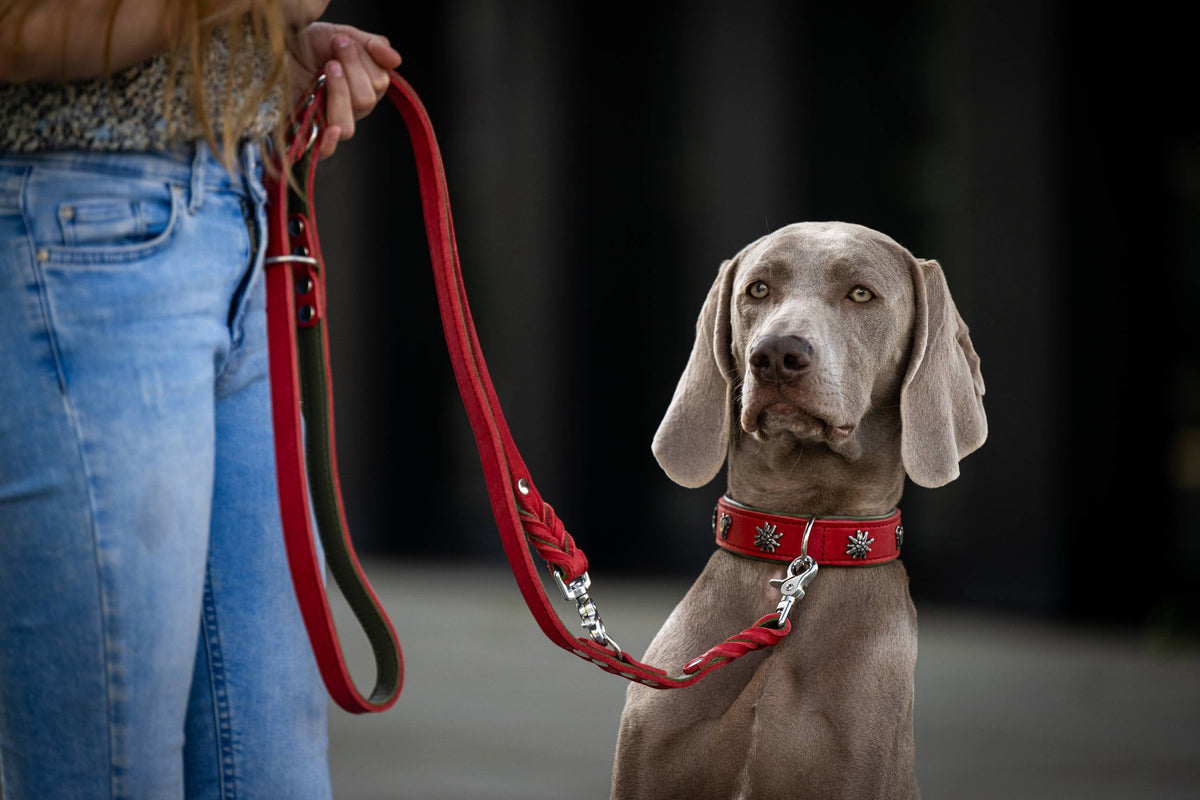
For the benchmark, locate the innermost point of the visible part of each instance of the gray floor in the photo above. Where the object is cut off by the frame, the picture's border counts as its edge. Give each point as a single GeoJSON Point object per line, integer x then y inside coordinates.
{"type": "Point", "coordinates": [1005, 708]}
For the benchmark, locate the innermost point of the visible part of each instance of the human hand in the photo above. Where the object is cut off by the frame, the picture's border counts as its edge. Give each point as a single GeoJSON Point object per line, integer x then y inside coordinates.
{"type": "Point", "coordinates": [355, 64]}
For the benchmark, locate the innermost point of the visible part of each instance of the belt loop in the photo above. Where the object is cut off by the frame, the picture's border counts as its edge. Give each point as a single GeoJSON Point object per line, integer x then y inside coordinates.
{"type": "Point", "coordinates": [249, 154]}
{"type": "Point", "coordinates": [199, 162]}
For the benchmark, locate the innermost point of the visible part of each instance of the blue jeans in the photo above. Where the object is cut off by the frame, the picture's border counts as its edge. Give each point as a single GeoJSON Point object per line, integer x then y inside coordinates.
{"type": "Point", "coordinates": [150, 641]}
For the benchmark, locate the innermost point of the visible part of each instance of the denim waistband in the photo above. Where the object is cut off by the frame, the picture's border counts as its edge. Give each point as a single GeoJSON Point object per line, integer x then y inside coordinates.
{"type": "Point", "coordinates": [194, 166]}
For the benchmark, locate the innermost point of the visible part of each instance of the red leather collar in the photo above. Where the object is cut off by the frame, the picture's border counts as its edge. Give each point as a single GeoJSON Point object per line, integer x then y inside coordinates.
{"type": "Point", "coordinates": [849, 542]}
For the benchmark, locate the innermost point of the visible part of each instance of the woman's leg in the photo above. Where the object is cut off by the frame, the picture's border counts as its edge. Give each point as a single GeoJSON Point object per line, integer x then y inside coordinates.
{"type": "Point", "coordinates": [257, 724]}
{"type": "Point", "coordinates": [114, 291]}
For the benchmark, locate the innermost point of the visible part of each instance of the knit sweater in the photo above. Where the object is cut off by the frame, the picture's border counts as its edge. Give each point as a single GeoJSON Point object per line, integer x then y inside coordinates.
{"type": "Point", "coordinates": [126, 110]}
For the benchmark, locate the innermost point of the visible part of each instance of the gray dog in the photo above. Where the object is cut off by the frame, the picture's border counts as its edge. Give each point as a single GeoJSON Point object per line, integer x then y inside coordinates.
{"type": "Point", "coordinates": [828, 364]}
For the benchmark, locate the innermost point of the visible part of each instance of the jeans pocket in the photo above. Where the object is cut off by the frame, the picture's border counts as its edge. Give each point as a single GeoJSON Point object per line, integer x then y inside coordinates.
{"type": "Point", "coordinates": [114, 230]}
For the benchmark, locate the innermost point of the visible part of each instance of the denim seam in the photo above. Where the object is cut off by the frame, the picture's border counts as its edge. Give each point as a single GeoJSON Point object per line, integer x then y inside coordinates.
{"type": "Point", "coordinates": [44, 297]}
{"type": "Point", "coordinates": [241, 294]}
{"type": "Point", "coordinates": [256, 237]}
{"type": "Point", "coordinates": [108, 637]}
{"type": "Point", "coordinates": [221, 707]}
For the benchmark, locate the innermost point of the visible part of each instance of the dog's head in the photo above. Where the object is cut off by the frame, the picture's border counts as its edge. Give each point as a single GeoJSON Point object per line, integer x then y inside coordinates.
{"type": "Point", "coordinates": [813, 332]}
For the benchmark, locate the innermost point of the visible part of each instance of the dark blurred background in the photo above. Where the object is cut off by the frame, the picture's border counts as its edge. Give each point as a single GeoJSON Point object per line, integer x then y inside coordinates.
{"type": "Point", "coordinates": [603, 160]}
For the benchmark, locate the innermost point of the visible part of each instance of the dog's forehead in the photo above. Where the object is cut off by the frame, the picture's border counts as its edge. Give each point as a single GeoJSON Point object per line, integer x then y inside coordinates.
{"type": "Point", "coordinates": [826, 246]}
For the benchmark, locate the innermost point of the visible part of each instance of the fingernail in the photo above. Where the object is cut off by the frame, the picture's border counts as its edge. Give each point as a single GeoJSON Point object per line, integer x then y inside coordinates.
{"type": "Point", "coordinates": [335, 69]}
{"type": "Point", "coordinates": [341, 40]}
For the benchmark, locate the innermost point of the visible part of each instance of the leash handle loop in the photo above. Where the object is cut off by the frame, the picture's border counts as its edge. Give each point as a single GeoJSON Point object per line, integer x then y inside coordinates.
{"type": "Point", "coordinates": [305, 450]}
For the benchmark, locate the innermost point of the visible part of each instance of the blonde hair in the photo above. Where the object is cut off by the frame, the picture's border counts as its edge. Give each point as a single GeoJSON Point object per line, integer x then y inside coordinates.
{"type": "Point", "coordinates": [259, 30]}
{"type": "Point", "coordinates": [255, 32]}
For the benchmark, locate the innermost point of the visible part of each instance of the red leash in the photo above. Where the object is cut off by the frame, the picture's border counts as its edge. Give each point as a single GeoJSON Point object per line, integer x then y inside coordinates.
{"type": "Point", "coordinates": [299, 368]}
{"type": "Point", "coordinates": [299, 359]}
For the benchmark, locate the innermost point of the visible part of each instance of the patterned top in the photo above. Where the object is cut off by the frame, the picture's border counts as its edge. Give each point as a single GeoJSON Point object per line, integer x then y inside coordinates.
{"type": "Point", "coordinates": [125, 111]}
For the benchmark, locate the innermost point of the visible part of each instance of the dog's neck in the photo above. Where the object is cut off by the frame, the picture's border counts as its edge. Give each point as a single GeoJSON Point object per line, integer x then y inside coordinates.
{"type": "Point", "coordinates": [792, 477]}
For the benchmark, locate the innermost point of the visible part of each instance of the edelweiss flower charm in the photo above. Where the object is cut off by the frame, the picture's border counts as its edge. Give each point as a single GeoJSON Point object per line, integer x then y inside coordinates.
{"type": "Point", "coordinates": [859, 545]}
{"type": "Point", "coordinates": [768, 537]}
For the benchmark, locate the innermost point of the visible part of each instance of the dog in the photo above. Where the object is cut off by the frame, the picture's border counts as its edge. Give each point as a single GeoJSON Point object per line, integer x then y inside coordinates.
{"type": "Point", "coordinates": [829, 363]}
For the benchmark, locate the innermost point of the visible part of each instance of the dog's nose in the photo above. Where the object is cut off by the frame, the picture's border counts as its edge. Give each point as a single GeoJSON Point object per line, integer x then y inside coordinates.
{"type": "Point", "coordinates": [781, 359]}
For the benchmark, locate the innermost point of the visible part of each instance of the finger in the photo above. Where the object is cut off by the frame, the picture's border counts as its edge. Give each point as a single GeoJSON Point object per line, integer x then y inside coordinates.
{"type": "Point", "coordinates": [376, 45]}
{"type": "Point", "coordinates": [317, 39]}
{"type": "Point", "coordinates": [322, 37]}
{"type": "Point", "coordinates": [380, 59]}
{"type": "Point", "coordinates": [382, 52]}
{"type": "Point", "coordinates": [329, 141]}
{"type": "Point", "coordinates": [359, 78]}
{"type": "Point", "coordinates": [338, 109]}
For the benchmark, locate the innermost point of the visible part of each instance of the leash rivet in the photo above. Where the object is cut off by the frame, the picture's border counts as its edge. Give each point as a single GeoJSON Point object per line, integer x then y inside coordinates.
{"type": "Point", "coordinates": [300, 250]}
{"type": "Point", "coordinates": [306, 314]}
{"type": "Point", "coordinates": [523, 486]}
{"type": "Point", "coordinates": [304, 285]}
{"type": "Point", "coordinates": [295, 226]}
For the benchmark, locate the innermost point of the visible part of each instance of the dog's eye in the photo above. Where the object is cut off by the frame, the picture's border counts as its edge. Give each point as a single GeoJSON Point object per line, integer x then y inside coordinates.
{"type": "Point", "coordinates": [861, 294]}
{"type": "Point", "coordinates": [758, 290]}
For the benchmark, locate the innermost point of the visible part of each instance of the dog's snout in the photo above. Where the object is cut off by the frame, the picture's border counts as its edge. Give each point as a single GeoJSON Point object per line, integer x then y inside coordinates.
{"type": "Point", "coordinates": [781, 359]}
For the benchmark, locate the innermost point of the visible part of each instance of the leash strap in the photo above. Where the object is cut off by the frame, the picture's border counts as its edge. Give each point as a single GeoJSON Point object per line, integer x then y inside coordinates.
{"type": "Point", "coordinates": [304, 442]}
{"type": "Point", "coordinates": [523, 518]}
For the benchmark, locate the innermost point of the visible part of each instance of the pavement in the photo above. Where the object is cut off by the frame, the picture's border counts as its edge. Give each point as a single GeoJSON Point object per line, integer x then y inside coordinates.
{"type": "Point", "coordinates": [1006, 707]}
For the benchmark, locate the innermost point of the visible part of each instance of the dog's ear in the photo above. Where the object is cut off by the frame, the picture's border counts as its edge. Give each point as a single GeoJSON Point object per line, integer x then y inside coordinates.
{"type": "Point", "coordinates": [693, 437]}
{"type": "Point", "coordinates": [941, 402]}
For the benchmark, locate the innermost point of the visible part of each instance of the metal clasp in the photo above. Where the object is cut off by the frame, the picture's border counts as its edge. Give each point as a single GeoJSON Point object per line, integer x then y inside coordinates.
{"type": "Point", "coordinates": [577, 590]}
{"type": "Point", "coordinates": [799, 575]}
{"type": "Point", "coordinates": [314, 128]}
{"type": "Point", "coordinates": [792, 585]}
